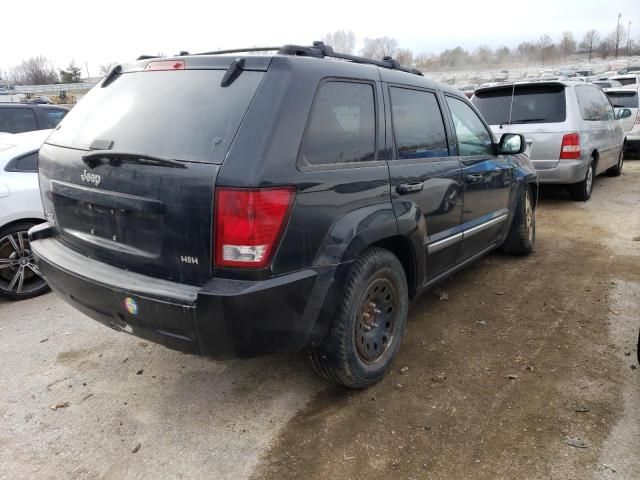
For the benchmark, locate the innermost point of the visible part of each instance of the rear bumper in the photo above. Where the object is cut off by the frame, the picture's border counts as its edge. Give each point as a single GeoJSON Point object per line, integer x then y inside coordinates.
{"type": "Point", "coordinates": [565, 172]}
{"type": "Point", "coordinates": [223, 319]}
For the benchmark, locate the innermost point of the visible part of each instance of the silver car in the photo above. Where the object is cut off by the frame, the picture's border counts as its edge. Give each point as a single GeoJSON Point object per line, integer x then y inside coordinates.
{"type": "Point", "coordinates": [570, 128]}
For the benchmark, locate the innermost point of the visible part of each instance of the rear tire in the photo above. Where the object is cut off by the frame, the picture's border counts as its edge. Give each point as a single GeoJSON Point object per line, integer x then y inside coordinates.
{"type": "Point", "coordinates": [19, 276]}
{"type": "Point", "coordinates": [522, 234]}
{"type": "Point", "coordinates": [616, 171]}
{"type": "Point", "coordinates": [581, 191]}
{"type": "Point", "coordinates": [366, 332]}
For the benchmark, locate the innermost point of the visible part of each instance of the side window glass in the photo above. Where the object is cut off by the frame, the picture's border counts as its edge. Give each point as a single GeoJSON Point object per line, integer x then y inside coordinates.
{"type": "Point", "coordinates": [592, 106]}
{"type": "Point", "coordinates": [609, 114]}
{"type": "Point", "coordinates": [342, 127]}
{"type": "Point", "coordinates": [17, 120]}
{"type": "Point", "coordinates": [417, 124]}
{"type": "Point", "coordinates": [473, 136]}
{"type": "Point", "coordinates": [54, 117]}
{"type": "Point", "coordinates": [26, 163]}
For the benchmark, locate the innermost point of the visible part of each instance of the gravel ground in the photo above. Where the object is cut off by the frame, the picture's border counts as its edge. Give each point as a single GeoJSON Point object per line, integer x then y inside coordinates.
{"type": "Point", "coordinates": [524, 355]}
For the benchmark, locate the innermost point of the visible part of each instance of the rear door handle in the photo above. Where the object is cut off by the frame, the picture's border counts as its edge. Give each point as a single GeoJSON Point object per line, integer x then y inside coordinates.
{"type": "Point", "coordinates": [405, 188]}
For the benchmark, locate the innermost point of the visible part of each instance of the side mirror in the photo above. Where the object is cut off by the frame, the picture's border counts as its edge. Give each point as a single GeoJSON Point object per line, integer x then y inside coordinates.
{"type": "Point", "coordinates": [511, 144]}
{"type": "Point", "coordinates": [623, 113]}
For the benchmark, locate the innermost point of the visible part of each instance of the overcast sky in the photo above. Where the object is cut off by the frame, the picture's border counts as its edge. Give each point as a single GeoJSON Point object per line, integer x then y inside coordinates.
{"type": "Point", "coordinates": [95, 33]}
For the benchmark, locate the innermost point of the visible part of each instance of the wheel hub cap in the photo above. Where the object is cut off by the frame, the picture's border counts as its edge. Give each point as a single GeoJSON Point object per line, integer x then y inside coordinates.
{"type": "Point", "coordinates": [376, 320]}
{"type": "Point", "coordinates": [18, 271]}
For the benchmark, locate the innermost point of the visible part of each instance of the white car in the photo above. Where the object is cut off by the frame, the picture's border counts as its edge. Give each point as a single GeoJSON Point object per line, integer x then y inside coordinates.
{"type": "Point", "coordinates": [20, 209]}
{"type": "Point", "coordinates": [627, 99]}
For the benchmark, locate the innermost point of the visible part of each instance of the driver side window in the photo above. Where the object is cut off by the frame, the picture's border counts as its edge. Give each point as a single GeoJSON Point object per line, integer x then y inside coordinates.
{"type": "Point", "coordinates": [473, 136]}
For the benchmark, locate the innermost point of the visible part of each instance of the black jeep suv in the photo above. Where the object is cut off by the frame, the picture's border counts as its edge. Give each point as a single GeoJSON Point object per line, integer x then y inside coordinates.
{"type": "Point", "coordinates": [233, 206]}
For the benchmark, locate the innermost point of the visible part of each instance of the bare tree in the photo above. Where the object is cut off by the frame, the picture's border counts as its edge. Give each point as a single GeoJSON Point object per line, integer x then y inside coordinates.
{"type": "Point", "coordinates": [35, 71]}
{"type": "Point", "coordinates": [454, 57]}
{"type": "Point", "coordinates": [546, 46]}
{"type": "Point", "coordinates": [379, 47]}
{"type": "Point", "coordinates": [483, 54]}
{"type": "Point", "coordinates": [568, 44]}
{"type": "Point", "coordinates": [404, 56]}
{"type": "Point", "coordinates": [589, 42]}
{"type": "Point", "coordinates": [502, 54]}
{"type": "Point", "coordinates": [618, 38]}
{"type": "Point", "coordinates": [341, 41]}
{"type": "Point", "coordinates": [104, 69]}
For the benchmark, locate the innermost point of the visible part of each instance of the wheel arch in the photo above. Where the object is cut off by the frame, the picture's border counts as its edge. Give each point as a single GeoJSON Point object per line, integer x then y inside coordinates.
{"type": "Point", "coordinates": [10, 224]}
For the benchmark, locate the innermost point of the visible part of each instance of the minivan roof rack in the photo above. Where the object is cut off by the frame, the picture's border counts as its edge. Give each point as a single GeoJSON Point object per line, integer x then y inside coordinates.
{"type": "Point", "coordinates": [320, 50]}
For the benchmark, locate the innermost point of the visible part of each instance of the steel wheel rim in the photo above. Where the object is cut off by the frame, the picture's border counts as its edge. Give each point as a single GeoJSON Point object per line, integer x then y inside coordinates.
{"type": "Point", "coordinates": [377, 320]}
{"type": "Point", "coordinates": [18, 272]}
{"type": "Point", "coordinates": [589, 179]}
{"type": "Point", "coordinates": [528, 211]}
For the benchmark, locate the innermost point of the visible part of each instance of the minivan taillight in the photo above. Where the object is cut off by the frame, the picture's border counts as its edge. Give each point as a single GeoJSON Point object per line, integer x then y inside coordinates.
{"type": "Point", "coordinates": [248, 224]}
{"type": "Point", "coordinates": [570, 149]}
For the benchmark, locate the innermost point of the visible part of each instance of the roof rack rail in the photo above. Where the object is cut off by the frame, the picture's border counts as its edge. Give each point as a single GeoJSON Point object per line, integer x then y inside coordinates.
{"type": "Point", "coordinates": [317, 50]}
{"type": "Point", "coordinates": [240, 50]}
{"type": "Point", "coordinates": [320, 50]}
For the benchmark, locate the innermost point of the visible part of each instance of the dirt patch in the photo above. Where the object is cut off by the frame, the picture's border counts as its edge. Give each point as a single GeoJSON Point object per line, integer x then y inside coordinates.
{"type": "Point", "coordinates": [516, 362]}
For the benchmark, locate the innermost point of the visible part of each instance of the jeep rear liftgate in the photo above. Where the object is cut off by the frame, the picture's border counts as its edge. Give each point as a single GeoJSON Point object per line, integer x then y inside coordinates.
{"type": "Point", "coordinates": [129, 176]}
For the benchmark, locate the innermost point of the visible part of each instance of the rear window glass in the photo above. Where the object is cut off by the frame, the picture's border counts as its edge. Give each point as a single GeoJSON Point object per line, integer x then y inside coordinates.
{"type": "Point", "coordinates": [17, 120]}
{"type": "Point", "coordinates": [342, 127]}
{"type": "Point", "coordinates": [182, 115]}
{"type": "Point", "coordinates": [626, 81]}
{"type": "Point", "coordinates": [623, 99]}
{"type": "Point", "coordinates": [531, 104]}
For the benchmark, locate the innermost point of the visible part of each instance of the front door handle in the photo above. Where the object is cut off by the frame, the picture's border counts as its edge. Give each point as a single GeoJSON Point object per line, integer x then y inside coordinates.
{"type": "Point", "coordinates": [405, 188]}
{"type": "Point", "coordinates": [471, 178]}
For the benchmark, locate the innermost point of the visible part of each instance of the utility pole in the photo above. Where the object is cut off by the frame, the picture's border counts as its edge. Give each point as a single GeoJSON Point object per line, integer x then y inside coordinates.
{"type": "Point", "coordinates": [628, 37]}
{"type": "Point", "coordinates": [86, 65]}
{"type": "Point", "coordinates": [618, 34]}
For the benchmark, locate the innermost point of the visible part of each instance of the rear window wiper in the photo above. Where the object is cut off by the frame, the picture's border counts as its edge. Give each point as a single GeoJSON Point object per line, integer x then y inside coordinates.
{"type": "Point", "coordinates": [115, 158]}
{"type": "Point", "coordinates": [530, 120]}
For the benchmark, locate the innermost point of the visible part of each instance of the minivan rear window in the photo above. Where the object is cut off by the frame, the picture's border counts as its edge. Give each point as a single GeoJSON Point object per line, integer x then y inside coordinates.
{"type": "Point", "coordinates": [623, 99]}
{"type": "Point", "coordinates": [627, 81]}
{"type": "Point", "coordinates": [181, 115]}
{"type": "Point", "coordinates": [531, 104]}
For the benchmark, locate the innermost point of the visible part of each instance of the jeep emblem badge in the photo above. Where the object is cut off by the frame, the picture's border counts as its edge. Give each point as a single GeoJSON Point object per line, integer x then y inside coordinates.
{"type": "Point", "coordinates": [131, 306]}
{"type": "Point", "coordinates": [90, 177]}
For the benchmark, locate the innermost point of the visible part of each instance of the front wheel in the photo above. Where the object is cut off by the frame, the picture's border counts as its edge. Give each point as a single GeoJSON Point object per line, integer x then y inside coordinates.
{"type": "Point", "coordinates": [19, 276]}
{"type": "Point", "coordinates": [367, 330]}
{"type": "Point", "coordinates": [522, 235]}
{"type": "Point", "coordinates": [581, 191]}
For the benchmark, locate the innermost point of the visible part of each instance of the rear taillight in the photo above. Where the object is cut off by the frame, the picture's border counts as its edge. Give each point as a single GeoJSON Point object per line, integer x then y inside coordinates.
{"type": "Point", "coordinates": [248, 224]}
{"type": "Point", "coordinates": [638, 118]}
{"type": "Point", "coordinates": [165, 65]}
{"type": "Point", "coordinates": [570, 149]}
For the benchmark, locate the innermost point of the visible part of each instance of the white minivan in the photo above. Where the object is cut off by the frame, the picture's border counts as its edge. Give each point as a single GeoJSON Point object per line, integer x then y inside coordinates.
{"type": "Point", "coordinates": [627, 99]}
